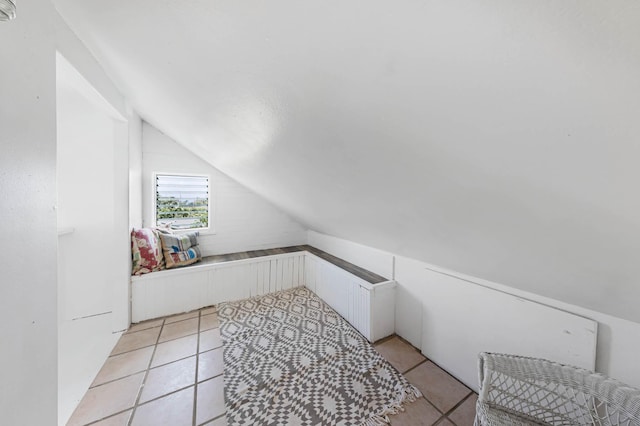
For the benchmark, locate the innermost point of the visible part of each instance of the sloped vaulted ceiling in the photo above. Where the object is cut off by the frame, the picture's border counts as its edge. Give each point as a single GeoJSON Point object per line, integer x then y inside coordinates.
{"type": "Point", "coordinates": [497, 138]}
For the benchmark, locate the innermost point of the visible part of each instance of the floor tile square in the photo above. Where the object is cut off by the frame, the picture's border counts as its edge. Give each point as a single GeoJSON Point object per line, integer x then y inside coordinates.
{"type": "Point", "coordinates": [446, 422]}
{"type": "Point", "coordinates": [139, 339]}
{"type": "Point", "coordinates": [440, 389]}
{"type": "Point", "coordinates": [172, 410]}
{"type": "Point", "coordinates": [210, 364]}
{"type": "Point", "coordinates": [179, 329]}
{"type": "Point", "coordinates": [180, 317]}
{"type": "Point", "coordinates": [145, 325]}
{"type": "Point", "coordinates": [220, 421]}
{"type": "Point", "coordinates": [210, 403]}
{"type": "Point", "coordinates": [465, 414]}
{"type": "Point", "coordinates": [118, 366]}
{"type": "Point", "coordinates": [209, 321]}
{"type": "Point", "coordinates": [400, 354]}
{"type": "Point", "coordinates": [107, 399]}
{"type": "Point", "coordinates": [169, 378]}
{"type": "Point", "coordinates": [416, 413]}
{"type": "Point", "coordinates": [175, 350]}
{"type": "Point", "coordinates": [121, 419]}
{"type": "Point", "coordinates": [210, 339]}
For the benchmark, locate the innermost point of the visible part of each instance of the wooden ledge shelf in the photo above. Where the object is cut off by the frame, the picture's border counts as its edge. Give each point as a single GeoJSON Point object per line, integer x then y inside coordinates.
{"type": "Point", "coordinates": [349, 267]}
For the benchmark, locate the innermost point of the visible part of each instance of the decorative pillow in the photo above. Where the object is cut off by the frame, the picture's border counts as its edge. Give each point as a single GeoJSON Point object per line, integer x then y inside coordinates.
{"type": "Point", "coordinates": [180, 249]}
{"type": "Point", "coordinates": [146, 251]}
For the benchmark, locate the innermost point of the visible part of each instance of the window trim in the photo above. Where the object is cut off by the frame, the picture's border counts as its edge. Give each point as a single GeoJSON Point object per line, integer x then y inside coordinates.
{"type": "Point", "coordinates": [154, 191]}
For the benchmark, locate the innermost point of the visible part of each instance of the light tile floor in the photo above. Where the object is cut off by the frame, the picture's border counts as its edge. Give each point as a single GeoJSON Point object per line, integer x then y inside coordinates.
{"type": "Point", "coordinates": [169, 372]}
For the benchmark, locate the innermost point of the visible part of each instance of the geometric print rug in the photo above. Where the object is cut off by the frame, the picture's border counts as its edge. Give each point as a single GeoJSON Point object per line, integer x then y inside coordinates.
{"type": "Point", "coordinates": [290, 359]}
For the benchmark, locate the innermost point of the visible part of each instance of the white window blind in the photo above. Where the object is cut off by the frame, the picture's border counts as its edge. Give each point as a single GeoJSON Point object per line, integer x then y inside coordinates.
{"type": "Point", "coordinates": [182, 202]}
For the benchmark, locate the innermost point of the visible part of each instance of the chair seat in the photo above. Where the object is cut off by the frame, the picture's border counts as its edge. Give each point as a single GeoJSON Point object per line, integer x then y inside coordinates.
{"type": "Point", "coordinates": [487, 415]}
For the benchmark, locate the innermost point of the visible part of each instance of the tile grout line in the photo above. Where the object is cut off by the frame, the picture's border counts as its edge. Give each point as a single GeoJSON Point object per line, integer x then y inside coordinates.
{"type": "Point", "coordinates": [151, 368]}
{"type": "Point", "coordinates": [195, 384]}
{"type": "Point", "coordinates": [455, 407]}
{"type": "Point", "coordinates": [451, 375]}
{"type": "Point", "coordinates": [164, 394]}
{"type": "Point", "coordinates": [162, 324]}
{"type": "Point", "coordinates": [443, 415]}
{"type": "Point", "coordinates": [93, 422]}
{"type": "Point", "coordinates": [157, 343]}
{"type": "Point", "coordinates": [415, 366]}
{"type": "Point", "coordinates": [139, 405]}
{"type": "Point", "coordinates": [213, 418]}
{"type": "Point", "coordinates": [471, 391]}
{"type": "Point", "coordinates": [146, 374]}
{"type": "Point", "coordinates": [216, 418]}
{"type": "Point", "coordinates": [441, 419]}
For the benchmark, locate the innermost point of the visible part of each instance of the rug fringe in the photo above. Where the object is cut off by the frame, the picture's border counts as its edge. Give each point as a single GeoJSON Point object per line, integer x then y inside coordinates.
{"type": "Point", "coordinates": [405, 395]}
{"type": "Point", "coordinates": [377, 421]}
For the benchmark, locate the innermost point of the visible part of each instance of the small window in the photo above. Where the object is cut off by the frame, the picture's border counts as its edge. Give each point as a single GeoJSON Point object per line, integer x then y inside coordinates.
{"type": "Point", "coordinates": [182, 202]}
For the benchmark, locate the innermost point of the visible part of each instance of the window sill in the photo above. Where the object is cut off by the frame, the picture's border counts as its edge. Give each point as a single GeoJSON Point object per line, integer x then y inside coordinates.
{"type": "Point", "coordinates": [201, 231]}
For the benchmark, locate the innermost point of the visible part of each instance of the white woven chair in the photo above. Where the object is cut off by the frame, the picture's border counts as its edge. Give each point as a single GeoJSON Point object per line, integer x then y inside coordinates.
{"type": "Point", "coordinates": [516, 390]}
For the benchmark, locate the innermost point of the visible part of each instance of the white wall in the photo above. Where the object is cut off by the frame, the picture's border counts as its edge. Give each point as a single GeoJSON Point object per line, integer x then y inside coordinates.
{"type": "Point", "coordinates": [96, 127]}
{"type": "Point", "coordinates": [28, 309]}
{"type": "Point", "coordinates": [93, 275]}
{"type": "Point", "coordinates": [241, 219]}
{"type": "Point", "coordinates": [135, 171]}
{"type": "Point", "coordinates": [86, 187]}
{"type": "Point", "coordinates": [451, 305]}
{"type": "Point", "coordinates": [497, 138]}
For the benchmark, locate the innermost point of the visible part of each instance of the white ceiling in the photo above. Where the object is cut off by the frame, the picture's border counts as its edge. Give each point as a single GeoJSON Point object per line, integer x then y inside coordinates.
{"type": "Point", "coordinates": [496, 138]}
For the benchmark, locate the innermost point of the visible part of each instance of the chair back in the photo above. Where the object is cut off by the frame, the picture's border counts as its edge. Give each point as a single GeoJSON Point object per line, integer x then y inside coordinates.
{"type": "Point", "coordinates": [516, 390]}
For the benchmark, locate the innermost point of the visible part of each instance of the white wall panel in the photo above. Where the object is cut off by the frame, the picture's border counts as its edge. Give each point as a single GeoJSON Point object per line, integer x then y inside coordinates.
{"type": "Point", "coordinates": [462, 319]}
{"type": "Point", "coordinates": [181, 290]}
{"type": "Point", "coordinates": [369, 308]}
{"type": "Point", "coordinates": [93, 199]}
{"type": "Point", "coordinates": [353, 298]}
{"type": "Point", "coordinates": [616, 343]}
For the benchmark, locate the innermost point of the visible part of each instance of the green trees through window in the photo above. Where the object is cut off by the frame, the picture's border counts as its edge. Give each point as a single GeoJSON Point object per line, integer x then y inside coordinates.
{"type": "Point", "coordinates": [182, 202]}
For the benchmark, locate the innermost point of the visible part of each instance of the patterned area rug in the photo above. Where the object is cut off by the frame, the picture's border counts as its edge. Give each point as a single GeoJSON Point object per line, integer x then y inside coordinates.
{"type": "Point", "coordinates": [292, 360]}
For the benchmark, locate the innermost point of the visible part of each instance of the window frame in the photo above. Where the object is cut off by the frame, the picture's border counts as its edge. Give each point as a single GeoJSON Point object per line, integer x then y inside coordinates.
{"type": "Point", "coordinates": [154, 193]}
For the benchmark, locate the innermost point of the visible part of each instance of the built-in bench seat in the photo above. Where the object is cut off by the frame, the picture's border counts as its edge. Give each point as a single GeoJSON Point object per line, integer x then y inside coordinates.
{"type": "Point", "coordinates": [364, 298]}
{"type": "Point", "coordinates": [349, 267]}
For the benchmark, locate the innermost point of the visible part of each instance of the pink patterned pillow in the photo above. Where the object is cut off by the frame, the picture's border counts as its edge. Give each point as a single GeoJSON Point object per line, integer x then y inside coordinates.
{"type": "Point", "coordinates": [146, 251]}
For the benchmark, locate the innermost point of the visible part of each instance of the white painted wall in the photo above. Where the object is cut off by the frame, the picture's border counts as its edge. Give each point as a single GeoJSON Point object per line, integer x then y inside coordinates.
{"type": "Point", "coordinates": [86, 189]}
{"type": "Point", "coordinates": [28, 309]}
{"type": "Point", "coordinates": [456, 308]}
{"type": "Point", "coordinates": [135, 171]}
{"type": "Point", "coordinates": [495, 138]}
{"type": "Point", "coordinates": [96, 127]}
{"type": "Point", "coordinates": [92, 177]}
{"type": "Point", "coordinates": [241, 219]}
{"type": "Point", "coordinates": [461, 319]}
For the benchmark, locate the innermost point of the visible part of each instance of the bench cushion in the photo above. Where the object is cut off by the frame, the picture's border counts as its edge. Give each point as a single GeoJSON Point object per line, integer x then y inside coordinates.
{"type": "Point", "coordinates": [146, 252]}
